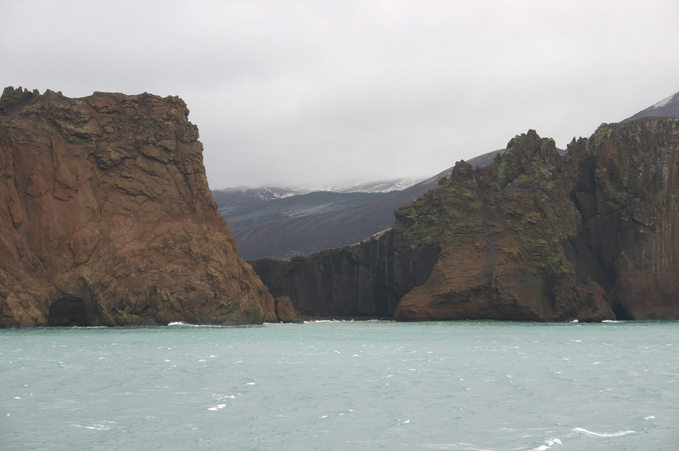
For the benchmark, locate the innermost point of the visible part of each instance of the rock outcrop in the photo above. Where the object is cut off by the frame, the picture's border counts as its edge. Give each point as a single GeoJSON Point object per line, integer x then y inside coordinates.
{"type": "Point", "coordinates": [505, 234]}
{"type": "Point", "coordinates": [285, 311]}
{"type": "Point", "coordinates": [364, 280]}
{"type": "Point", "coordinates": [109, 220]}
{"type": "Point", "coordinates": [628, 197]}
{"type": "Point", "coordinates": [535, 236]}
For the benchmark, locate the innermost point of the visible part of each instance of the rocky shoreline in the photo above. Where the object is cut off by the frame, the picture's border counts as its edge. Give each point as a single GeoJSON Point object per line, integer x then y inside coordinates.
{"type": "Point", "coordinates": [109, 221]}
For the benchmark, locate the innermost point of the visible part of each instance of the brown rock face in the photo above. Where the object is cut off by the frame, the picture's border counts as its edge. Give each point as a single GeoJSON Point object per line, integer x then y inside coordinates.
{"type": "Point", "coordinates": [631, 216]}
{"type": "Point", "coordinates": [505, 234]}
{"type": "Point", "coordinates": [109, 219]}
{"type": "Point", "coordinates": [535, 236]}
{"type": "Point", "coordinates": [285, 311]}
{"type": "Point", "coordinates": [592, 235]}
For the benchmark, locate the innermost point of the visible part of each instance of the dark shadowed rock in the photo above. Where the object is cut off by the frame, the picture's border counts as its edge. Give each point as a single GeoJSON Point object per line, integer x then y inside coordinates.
{"type": "Point", "coordinates": [108, 217]}
{"type": "Point", "coordinates": [535, 235]}
{"type": "Point", "coordinates": [363, 280]}
{"type": "Point", "coordinates": [631, 215]}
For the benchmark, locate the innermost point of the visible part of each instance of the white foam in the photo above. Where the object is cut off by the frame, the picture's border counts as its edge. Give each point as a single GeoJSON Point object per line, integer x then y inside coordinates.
{"type": "Point", "coordinates": [547, 445]}
{"type": "Point", "coordinates": [456, 446]}
{"type": "Point", "coordinates": [603, 434]}
{"type": "Point", "coordinates": [103, 426]}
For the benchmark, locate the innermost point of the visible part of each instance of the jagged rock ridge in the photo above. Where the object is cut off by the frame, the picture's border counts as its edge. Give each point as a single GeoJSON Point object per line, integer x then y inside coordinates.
{"type": "Point", "coordinates": [108, 217]}
{"type": "Point", "coordinates": [590, 235]}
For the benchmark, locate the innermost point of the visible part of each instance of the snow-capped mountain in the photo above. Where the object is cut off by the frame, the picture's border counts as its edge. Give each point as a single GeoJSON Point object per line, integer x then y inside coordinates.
{"type": "Point", "coordinates": [667, 107]}
{"type": "Point", "coordinates": [282, 222]}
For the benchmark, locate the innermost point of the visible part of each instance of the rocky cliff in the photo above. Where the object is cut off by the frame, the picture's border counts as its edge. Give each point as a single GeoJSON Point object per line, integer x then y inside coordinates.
{"type": "Point", "coordinates": [108, 217]}
{"type": "Point", "coordinates": [534, 236]}
{"type": "Point", "coordinates": [363, 280]}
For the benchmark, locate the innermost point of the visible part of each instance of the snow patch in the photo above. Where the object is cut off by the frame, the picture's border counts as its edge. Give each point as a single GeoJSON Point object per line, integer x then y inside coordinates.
{"type": "Point", "coordinates": [664, 102]}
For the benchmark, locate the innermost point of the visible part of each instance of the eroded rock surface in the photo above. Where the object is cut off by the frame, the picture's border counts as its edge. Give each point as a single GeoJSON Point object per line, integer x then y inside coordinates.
{"type": "Point", "coordinates": [364, 280]}
{"type": "Point", "coordinates": [108, 217]}
{"type": "Point", "coordinates": [505, 234]}
{"type": "Point", "coordinates": [536, 236]}
{"type": "Point", "coordinates": [285, 311]}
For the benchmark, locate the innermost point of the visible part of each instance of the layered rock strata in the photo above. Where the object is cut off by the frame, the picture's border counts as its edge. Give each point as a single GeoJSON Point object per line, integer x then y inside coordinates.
{"type": "Point", "coordinates": [109, 220]}
{"type": "Point", "coordinates": [364, 280]}
{"type": "Point", "coordinates": [535, 236]}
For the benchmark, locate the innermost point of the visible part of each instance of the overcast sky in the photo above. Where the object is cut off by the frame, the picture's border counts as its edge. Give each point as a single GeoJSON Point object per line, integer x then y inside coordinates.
{"type": "Point", "coordinates": [322, 93]}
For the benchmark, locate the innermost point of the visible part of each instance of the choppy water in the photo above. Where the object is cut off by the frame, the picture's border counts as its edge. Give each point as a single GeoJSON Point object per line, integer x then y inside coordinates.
{"type": "Point", "coordinates": [343, 385]}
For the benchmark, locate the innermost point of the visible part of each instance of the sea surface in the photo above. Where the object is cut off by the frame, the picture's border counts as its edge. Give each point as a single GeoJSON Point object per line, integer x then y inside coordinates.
{"type": "Point", "coordinates": [343, 385]}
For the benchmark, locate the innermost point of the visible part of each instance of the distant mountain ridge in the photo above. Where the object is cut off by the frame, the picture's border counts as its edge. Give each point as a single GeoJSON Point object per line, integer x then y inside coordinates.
{"type": "Point", "coordinates": [667, 107]}
{"type": "Point", "coordinates": [279, 222]}
{"type": "Point", "coordinates": [284, 222]}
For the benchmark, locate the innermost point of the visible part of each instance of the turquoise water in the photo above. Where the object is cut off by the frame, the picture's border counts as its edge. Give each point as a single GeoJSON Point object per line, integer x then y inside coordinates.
{"type": "Point", "coordinates": [343, 385]}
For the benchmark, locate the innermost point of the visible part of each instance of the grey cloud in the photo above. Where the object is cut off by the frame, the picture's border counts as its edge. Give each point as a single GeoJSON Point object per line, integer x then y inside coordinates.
{"type": "Point", "coordinates": [321, 92]}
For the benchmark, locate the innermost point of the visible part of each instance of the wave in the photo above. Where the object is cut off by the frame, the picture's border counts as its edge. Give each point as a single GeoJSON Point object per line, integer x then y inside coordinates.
{"type": "Point", "coordinates": [547, 445]}
{"type": "Point", "coordinates": [180, 324]}
{"type": "Point", "coordinates": [602, 434]}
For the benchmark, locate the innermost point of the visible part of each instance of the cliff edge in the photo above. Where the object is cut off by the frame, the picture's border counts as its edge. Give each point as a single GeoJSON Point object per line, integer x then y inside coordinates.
{"type": "Point", "coordinates": [535, 236]}
{"type": "Point", "coordinates": [109, 220]}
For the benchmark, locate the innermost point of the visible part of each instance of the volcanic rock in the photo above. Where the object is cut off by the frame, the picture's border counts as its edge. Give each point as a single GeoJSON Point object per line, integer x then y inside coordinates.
{"type": "Point", "coordinates": [534, 236]}
{"type": "Point", "coordinates": [109, 219]}
{"type": "Point", "coordinates": [285, 311]}
{"type": "Point", "coordinates": [505, 234]}
{"type": "Point", "coordinates": [631, 215]}
{"type": "Point", "coordinates": [364, 280]}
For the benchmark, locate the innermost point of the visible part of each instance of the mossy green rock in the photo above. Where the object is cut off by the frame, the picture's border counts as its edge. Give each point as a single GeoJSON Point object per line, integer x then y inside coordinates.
{"type": "Point", "coordinates": [590, 235]}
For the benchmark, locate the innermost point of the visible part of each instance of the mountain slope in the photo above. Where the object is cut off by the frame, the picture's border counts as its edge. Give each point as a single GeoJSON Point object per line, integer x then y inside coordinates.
{"type": "Point", "coordinates": [667, 107]}
{"type": "Point", "coordinates": [264, 225]}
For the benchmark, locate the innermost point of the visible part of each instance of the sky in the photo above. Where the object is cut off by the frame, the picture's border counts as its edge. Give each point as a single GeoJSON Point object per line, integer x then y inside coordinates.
{"type": "Point", "coordinates": [325, 93]}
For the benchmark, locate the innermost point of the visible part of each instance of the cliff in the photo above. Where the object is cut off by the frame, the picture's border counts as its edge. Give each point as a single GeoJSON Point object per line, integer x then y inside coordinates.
{"type": "Point", "coordinates": [629, 200]}
{"type": "Point", "coordinates": [363, 280]}
{"type": "Point", "coordinates": [109, 220]}
{"type": "Point", "coordinates": [534, 236]}
{"type": "Point", "coordinates": [505, 234]}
